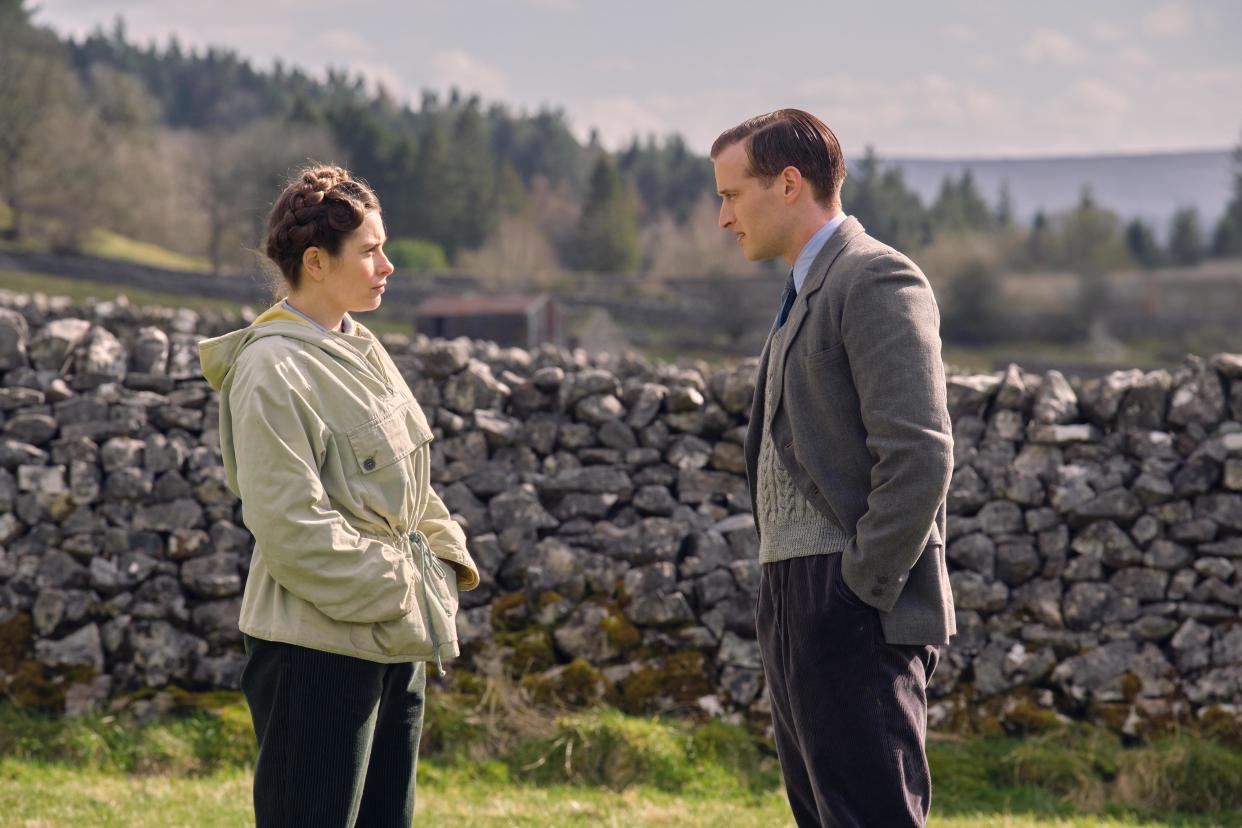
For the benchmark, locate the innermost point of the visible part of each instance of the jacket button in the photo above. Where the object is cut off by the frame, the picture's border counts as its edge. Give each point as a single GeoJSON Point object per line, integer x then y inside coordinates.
{"type": "Point", "coordinates": [877, 592]}
{"type": "Point", "coordinates": [369, 463]}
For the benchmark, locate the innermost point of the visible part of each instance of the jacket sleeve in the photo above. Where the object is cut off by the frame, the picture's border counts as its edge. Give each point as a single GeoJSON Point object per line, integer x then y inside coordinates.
{"type": "Point", "coordinates": [306, 544]}
{"type": "Point", "coordinates": [890, 326]}
{"type": "Point", "coordinates": [447, 541]}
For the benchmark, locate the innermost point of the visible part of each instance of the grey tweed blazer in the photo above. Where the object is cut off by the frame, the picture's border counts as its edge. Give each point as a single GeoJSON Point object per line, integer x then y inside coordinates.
{"type": "Point", "coordinates": [862, 425]}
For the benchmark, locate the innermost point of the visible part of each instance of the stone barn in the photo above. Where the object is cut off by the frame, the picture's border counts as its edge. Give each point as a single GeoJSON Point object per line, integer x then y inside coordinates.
{"type": "Point", "coordinates": [517, 320]}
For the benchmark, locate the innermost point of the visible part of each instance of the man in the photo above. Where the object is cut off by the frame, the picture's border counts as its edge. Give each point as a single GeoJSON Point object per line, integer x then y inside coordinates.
{"type": "Point", "coordinates": [848, 454]}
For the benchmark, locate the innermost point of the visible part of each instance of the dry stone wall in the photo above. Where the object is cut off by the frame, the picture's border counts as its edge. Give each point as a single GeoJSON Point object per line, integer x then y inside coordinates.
{"type": "Point", "coordinates": [1095, 531]}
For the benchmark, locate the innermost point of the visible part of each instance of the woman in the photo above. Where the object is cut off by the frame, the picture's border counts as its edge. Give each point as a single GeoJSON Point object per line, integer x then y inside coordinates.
{"type": "Point", "coordinates": [357, 564]}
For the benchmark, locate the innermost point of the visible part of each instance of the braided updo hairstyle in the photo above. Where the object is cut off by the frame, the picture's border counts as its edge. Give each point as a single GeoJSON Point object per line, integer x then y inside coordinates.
{"type": "Point", "coordinates": [319, 208]}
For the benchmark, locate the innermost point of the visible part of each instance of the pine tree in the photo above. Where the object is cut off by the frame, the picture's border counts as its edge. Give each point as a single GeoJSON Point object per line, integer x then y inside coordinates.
{"type": "Point", "coordinates": [434, 202]}
{"type": "Point", "coordinates": [1090, 240]}
{"type": "Point", "coordinates": [1227, 240]}
{"type": "Point", "coordinates": [959, 208]}
{"type": "Point", "coordinates": [472, 175]}
{"type": "Point", "coordinates": [1041, 243]}
{"type": "Point", "coordinates": [607, 235]}
{"type": "Point", "coordinates": [1142, 244]}
{"type": "Point", "coordinates": [1004, 207]}
{"type": "Point", "coordinates": [880, 200]}
{"type": "Point", "coordinates": [1186, 243]}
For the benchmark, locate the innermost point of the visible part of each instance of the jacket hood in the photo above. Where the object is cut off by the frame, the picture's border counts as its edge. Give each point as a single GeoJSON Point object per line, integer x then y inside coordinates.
{"type": "Point", "coordinates": [219, 354]}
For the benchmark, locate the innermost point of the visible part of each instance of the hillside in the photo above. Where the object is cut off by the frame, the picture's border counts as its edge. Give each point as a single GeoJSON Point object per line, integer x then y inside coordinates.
{"type": "Point", "coordinates": [1150, 187]}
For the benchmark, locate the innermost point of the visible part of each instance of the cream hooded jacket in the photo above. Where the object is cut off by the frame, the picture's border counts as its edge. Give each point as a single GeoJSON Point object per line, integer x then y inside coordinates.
{"type": "Point", "coordinates": [330, 455]}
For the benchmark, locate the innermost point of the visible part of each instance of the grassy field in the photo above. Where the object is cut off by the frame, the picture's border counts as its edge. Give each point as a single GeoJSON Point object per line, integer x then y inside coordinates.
{"type": "Point", "coordinates": [490, 764]}
{"type": "Point", "coordinates": [81, 291]}
{"type": "Point", "coordinates": [109, 245]}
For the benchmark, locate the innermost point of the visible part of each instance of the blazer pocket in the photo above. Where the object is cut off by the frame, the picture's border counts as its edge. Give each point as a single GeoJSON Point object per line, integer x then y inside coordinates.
{"type": "Point", "coordinates": [828, 356]}
{"type": "Point", "coordinates": [379, 443]}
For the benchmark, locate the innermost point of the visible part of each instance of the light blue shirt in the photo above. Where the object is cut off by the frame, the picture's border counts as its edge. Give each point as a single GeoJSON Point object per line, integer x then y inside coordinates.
{"type": "Point", "coordinates": [811, 249]}
{"type": "Point", "coordinates": [347, 324]}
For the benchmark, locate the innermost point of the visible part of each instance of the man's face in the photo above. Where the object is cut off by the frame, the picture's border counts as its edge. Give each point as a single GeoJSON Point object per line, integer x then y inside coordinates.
{"type": "Point", "coordinates": [753, 213]}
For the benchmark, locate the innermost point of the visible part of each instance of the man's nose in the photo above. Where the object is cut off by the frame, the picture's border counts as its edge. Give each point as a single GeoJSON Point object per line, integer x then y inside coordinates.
{"type": "Point", "coordinates": [726, 216]}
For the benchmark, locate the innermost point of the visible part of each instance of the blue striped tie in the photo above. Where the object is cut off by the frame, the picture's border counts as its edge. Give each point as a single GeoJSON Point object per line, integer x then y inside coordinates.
{"type": "Point", "coordinates": [787, 300]}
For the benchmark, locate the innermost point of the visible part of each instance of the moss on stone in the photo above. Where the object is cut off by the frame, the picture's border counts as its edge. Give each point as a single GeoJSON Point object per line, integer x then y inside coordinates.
{"type": "Point", "coordinates": [1131, 686]}
{"type": "Point", "coordinates": [1222, 725]}
{"type": "Point", "coordinates": [677, 680]}
{"type": "Point", "coordinates": [34, 686]}
{"type": "Point", "coordinates": [510, 611]}
{"type": "Point", "coordinates": [547, 599]}
{"type": "Point", "coordinates": [621, 634]}
{"type": "Point", "coordinates": [16, 639]}
{"type": "Point", "coordinates": [1113, 716]}
{"type": "Point", "coordinates": [576, 684]}
{"type": "Point", "coordinates": [529, 651]}
{"type": "Point", "coordinates": [1023, 715]}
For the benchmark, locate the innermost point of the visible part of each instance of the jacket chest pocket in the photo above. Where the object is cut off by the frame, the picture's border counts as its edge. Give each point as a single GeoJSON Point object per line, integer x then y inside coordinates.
{"type": "Point", "coordinates": [381, 443]}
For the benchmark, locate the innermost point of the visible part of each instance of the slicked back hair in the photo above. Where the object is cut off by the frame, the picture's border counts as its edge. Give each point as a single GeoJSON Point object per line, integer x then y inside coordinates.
{"type": "Point", "coordinates": [790, 138]}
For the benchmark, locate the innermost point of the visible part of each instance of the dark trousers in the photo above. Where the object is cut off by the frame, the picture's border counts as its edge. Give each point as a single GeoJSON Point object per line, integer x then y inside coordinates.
{"type": "Point", "coordinates": [849, 710]}
{"type": "Point", "coordinates": [338, 737]}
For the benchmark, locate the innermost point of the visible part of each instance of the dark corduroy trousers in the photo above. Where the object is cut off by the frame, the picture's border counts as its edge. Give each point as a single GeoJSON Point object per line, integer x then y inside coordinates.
{"type": "Point", "coordinates": [848, 709]}
{"type": "Point", "coordinates": [338, 737]}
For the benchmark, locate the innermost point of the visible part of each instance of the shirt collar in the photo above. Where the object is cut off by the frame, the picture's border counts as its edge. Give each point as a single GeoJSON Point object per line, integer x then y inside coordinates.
{"type": "Point", "coordinates": [347, 324]}
{"type": "Point", "coordinates": [811, 249]}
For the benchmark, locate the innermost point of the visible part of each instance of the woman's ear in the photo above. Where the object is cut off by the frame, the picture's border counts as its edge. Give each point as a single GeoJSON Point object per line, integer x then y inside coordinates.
{"type": "Point", "coordinates": [313, 263]}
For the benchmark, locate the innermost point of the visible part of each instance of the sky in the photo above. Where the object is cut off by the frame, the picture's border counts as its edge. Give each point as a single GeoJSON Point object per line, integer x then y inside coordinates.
{"type": "Point", "coordinates": [949, 79]}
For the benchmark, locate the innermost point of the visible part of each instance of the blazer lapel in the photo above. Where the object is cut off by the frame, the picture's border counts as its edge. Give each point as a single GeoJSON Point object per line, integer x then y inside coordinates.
{"type": "Point", "coordinates": [815, 279]}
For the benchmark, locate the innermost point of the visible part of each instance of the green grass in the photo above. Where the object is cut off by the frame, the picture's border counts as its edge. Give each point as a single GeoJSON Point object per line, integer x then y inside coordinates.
{"type": "Point", "coordinates": [111, 245]}
{"type": "Point", "coordinates": [491, 761]}
{"type": "Point", "coordinates": [79, 290]}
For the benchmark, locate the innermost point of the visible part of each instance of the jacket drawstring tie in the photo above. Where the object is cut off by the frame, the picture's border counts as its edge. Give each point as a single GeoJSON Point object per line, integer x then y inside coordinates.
{"type": "Point", "coordinates": [426, 560]}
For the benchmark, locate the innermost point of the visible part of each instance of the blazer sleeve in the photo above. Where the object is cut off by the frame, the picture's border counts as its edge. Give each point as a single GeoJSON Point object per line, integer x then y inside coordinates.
{"type": "Point", "coordinates": [890, 327]}
{"type": "Point", "coordinates": [307, 545]}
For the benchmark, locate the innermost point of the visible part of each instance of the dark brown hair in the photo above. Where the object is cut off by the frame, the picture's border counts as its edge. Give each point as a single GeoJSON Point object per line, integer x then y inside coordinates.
{"type": "Point", "coordinates": [319, 208]}
{"type": "Point", "coordinates": [790, 138]}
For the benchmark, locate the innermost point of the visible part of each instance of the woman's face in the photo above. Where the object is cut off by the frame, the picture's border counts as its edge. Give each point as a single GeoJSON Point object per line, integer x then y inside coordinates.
{"type": "Point", "coordinates": [355, 277]}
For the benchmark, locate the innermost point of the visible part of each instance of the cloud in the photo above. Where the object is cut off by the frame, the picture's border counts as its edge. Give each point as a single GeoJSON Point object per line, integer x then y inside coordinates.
{"type": "Point", "coordinates": [1169, 20]}
{"type": "Point", "coordinates": [343, 41]}
{"type": "Point", "coordinates": [1100, 98]}
{"type": "Point", "coordinates": [1135, 57]}
{"type": "Point", "coordinates": [1107, 32]}
{"type": "Point", "coordinates": [982, 61]}
{"type": "Point", "coordinates": [958, 33]}
{"type": "Point", "coordinates": [615, 65]}
{"type": "Point", "coordinates": [459, 68]}
{"type": "Point", "coordinates": [618, 119]}
{"type": "Point", "coordinates": [1050, 46]}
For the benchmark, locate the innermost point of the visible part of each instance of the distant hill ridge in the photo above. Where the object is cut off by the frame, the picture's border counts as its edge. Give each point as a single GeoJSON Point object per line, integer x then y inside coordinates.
{"type": "Point", "coordinates": [1150, 186]}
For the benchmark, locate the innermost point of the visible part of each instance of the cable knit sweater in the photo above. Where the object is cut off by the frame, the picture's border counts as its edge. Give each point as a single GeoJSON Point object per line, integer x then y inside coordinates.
{"type": "Point", "coordinates": [789, 526]}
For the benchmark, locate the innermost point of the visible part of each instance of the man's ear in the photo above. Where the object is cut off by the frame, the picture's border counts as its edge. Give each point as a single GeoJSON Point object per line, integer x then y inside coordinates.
{"type": "Point", "coordinates": [313, 263]}
{"type": "Point", "coordinates": [791, 183]}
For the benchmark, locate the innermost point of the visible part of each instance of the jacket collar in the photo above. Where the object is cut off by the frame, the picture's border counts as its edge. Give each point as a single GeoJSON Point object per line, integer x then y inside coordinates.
{"type": "Point", "coordinates": [818, 274]}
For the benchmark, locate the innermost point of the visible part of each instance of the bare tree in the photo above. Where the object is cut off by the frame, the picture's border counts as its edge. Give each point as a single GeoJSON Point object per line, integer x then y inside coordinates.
{"type": "Point", "coordinates": [36, 95]}
{"type": "Point", "coordinates": [239, 175]}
